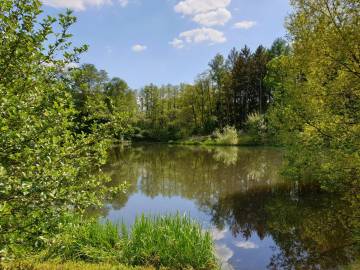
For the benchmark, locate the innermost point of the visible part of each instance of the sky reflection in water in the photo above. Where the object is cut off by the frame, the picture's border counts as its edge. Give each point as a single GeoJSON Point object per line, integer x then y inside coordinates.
{"type": "Point", "coordinates": [257, 220]}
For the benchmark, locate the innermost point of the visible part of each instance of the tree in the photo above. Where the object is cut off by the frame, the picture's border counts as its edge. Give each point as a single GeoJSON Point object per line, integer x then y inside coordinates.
{"type": "Point", "coordinates": [109, 104]}
{"type": "Point", "coordinates": [318, 94]}
{"type": "Point", "coordinates": [46, 169]}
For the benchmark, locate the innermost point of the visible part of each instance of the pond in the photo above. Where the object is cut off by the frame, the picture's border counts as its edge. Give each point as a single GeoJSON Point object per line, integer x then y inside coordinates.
{"type": "Point", "coordinates": [257, 219]}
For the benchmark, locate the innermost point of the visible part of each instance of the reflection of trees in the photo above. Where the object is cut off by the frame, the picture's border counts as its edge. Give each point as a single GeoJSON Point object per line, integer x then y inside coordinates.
{"type": "Point", "coordinates": [311, 229]}
{"type": "Point", "coordinates": [195, 173]}
{"type": "Point", "coordinates": [226, 155]}
{"type": "Point", "coordinates": [240, 188]}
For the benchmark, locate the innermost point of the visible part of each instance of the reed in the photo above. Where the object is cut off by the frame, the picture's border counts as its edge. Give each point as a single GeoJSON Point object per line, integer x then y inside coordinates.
{"type": "Point", "coordinates": [173, 241]}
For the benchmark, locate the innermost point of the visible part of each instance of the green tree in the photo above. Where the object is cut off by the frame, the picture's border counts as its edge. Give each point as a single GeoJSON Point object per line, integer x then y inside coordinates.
{"type": "Point", "coordinates": [46, 170]}
{"type": "Point", "coordinates": [109, 104]}
{"type": "Point", "coordinates": [317, 97]}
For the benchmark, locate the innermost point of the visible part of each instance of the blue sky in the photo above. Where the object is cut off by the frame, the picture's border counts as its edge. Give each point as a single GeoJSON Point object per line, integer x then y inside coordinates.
{"type": "Point", "coordinates": [169, 41]}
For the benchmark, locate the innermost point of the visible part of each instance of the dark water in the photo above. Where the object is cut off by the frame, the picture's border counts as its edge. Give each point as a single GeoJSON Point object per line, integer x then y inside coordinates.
{"type": "Point", "coordinates": [258, 220]}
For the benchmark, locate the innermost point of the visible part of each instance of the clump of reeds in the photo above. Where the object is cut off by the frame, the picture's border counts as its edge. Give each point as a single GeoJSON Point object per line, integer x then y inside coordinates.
{"type": "Point", "coordinates": [176, 242]}
{"type": "Point", "coordinates": [171, 241]}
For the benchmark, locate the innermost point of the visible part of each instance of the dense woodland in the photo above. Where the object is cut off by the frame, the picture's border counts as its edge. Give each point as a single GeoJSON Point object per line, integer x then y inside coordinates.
{"type": "Point", "coordinates": [58, 121]}
{"type": "Point", "coordinates": [232, 88]}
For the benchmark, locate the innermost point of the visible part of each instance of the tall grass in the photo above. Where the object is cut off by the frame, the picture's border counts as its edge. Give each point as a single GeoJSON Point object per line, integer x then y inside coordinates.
{"type": "Point", "coordinates": [170, 241]}
{"type": "Point", "coordinates": [89, 241]}
{"type": "Point", "coordinates": [173, 241]}
{"type": "Point", "coordinates": [227, 136]}
{"type": "Point", "coordinates": [53, 265]}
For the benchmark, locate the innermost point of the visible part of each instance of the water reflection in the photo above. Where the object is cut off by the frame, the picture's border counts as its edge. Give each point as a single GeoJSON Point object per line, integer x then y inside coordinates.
{"type": "Point", "coordinates": [310, 229]}
{"type": "Point", "coordinates": [257, 220]}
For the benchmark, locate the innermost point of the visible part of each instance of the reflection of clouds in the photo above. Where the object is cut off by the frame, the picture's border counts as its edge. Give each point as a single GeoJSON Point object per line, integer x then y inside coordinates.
{"type": "Point", "coordinates": [246, 245]}
{"type": "Point", "coordinates": [223, 253]}
{"type": "Point", "coordinates": [226, 266]}
{"type": "Point", "coordinates": [218, 234]}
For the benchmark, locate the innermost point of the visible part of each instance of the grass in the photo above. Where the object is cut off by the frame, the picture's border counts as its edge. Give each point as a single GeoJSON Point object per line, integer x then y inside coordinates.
{"type": "Point", "coordinates": [354, 266]}
{"type": "Point", "coordinates": [26, 265]}
{"type": "Point", "coordinates": [243, 140]}
{"type": "Point", "coordinates": [86, 241]}
{"type": "Point", "coordinates": [173, 242]}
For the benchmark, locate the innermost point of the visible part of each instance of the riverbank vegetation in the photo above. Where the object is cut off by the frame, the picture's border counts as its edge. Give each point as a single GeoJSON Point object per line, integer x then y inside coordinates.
{"type": "Point", "coordinates": [150, 241]}
{"type": "Point", "coordinates": [58, 121]}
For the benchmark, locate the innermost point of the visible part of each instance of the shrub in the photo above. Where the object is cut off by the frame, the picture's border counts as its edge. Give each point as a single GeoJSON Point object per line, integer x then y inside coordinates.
{"type": "Point", "coordinates": [228, 136]}
{"type": "Point", "coordinates": [256, 127]}
{"type": "Point", "coordinates": [169, 241]}
{"type": "Point", "coordinates": [47, 169]}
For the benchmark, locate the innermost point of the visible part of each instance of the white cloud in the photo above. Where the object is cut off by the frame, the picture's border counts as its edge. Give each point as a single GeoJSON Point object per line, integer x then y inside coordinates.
{"type": "Point", "coordinates": [124, 3]}
{"type": "Point", "coordinates": [205, 12]}
{"type": "Point", "coordinates": [223, 253]}
{"type": "Point", "coordinates": [246, 245]}
{"type": "Point", "coordinates": [198, 35]}
{"type": "Point", "coordinates": [193, 7]}
{"type": "Point", "coordinates": [218, 234]}
{"type": "Point", "coordinates": [215, 17]}
{"type": "Point", "coordinates": [138, 48]}
{"type": "Point", "coordinates": [245, 24]}
{"type": "Point", "coordinates": [177, 43]}
{"type": "Point", "coordinates": [80, 5]}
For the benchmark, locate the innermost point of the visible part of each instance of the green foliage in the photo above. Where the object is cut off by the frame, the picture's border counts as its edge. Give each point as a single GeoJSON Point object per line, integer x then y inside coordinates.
{"type": "Point", "coordinates": [256, 127]}
{"type": "Point", "coordinates": [222, 96]}
{"type": "Point", "coordinates": [227, 136]}
{"type": "Point", "coordinates": [317, 94]}
{"type": "Point", "coordinates": [170, 241]}
{"type": "Point", "coordinates": [46, 168]}
{"type": "Point", "coordinates": [107, 103]}
{"type": "Point", "coordinates": [88, 241]}
{"type": "Point", "coordinates": [30, 265]}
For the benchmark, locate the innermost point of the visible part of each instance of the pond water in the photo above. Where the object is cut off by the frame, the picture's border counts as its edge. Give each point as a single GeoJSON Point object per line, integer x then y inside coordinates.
{"type": "Point", "coordinates": [258, 220]}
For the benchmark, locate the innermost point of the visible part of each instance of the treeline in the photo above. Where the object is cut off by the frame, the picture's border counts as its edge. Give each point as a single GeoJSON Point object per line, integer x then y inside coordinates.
{"type": "Point", "coordinates": [56, 123]}
{"type": "Point", "coordinates": [225, 95]}
{"type": "Point", "coordinates": [102, 100]}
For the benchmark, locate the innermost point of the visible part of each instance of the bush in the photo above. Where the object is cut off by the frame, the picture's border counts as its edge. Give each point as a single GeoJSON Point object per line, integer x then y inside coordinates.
{"type": "Point", "coordinates": [256, 127]}
{"type": "Point", "coordinates": [169, 241]}
{"type": "Point", "coordinates": [228, 136]}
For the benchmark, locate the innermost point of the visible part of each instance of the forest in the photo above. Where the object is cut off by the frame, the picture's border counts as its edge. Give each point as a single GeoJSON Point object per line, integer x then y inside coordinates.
{"type": "Point", "coordinates": [59, 117]}
{"type": "Point", "coordinates": [232, 89]}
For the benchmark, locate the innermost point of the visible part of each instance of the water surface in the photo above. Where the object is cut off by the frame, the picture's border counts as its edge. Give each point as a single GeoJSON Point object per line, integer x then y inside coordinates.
{"type": "Point", "coordinates": [257, 219]}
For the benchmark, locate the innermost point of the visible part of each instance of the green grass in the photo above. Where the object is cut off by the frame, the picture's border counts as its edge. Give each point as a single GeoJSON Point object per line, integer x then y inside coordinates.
{"type": "Point", "coordinates": [174, 242]}
{"type": "Point", "coordinates": [243, 140]}
{"type": "Point", "coordinates": [53, 265]}
{"type": "Point", "coordinates": [87, 241]}
{"type": "Point", "coordinates": [353, 266]}
{"type": "Point", "coordinates": [171, 241]}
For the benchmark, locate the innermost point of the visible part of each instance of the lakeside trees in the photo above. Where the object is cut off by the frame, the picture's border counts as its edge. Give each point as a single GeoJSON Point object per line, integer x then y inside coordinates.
{"type": "Point", "coordinates": [57, 120]}
{"type": "Point", "coordinates": [48, 170]}
{"type": "Point", "coordinates": [317, 97]}
{"type": "Point", "coordinates": [100, 100]}
{"type": "Point", "coordinates": [225, 95]}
